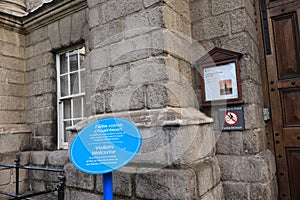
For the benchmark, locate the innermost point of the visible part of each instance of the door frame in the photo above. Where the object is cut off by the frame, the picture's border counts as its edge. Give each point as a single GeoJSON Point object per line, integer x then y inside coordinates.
{"type": "Point", "coordinates": [266, 57]}
{"type": "Point", "coordinates": [263, 36]}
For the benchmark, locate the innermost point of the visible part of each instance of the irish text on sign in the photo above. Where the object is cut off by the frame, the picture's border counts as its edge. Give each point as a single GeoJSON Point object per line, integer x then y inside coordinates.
{"type": "Point", "coordinates": [105, 145]}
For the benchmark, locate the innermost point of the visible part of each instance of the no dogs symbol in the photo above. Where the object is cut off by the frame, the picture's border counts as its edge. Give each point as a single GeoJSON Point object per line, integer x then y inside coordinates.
{"type": "Point", "coordinates": [231, 118]}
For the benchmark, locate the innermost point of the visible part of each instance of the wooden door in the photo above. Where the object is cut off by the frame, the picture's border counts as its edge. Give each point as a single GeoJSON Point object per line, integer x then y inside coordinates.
{"type": "Point", "coordinates": [283, 75]}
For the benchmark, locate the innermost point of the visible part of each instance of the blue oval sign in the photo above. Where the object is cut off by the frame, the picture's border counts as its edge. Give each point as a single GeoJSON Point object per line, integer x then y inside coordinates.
{"type": "Point", "coordinates": [105, 145]}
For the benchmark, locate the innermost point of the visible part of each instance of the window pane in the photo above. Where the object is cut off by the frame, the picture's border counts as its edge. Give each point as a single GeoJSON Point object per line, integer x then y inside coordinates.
{"type": "Point", "coordinates": [67, 134]}
{"type": "Point", "coordinates": [73, 62]}
{"type": "Point", "coordinates": [64, 85]}
{"type": "Point", "coordinates": [82, 79]}
{"type": "Point", "coordinates": [74, 83]}
{"type": "Point", "coordinates": [82, 55]}
{"type": "Point", "coordinates": [67, 109]}
{"type": "Point", "coordinates": [77, 107]}
{"type": "Point", "coordinates": [63, 64]}
{"type": "Point", "coordinates": [71, 77]}
{"type": "Point", "coordinates": [76, 121]}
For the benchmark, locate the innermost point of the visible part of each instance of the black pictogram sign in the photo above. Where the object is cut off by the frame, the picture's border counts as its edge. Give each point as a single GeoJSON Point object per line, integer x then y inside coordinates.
{"type": "Point", "coordinates": [231, 118]}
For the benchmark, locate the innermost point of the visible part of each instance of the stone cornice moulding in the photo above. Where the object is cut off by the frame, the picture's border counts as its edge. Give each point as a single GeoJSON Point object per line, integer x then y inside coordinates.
{"type": "Point", "coordinates": [51, 12]}
{"type": "Point", "coordinates": [43, 16]}
{"type": "Point", "coordinates": [13, 7]}
{"type": "Point", "coordinates": [10, 22]}
{"type": "Point", "coordinates": [168, 116]}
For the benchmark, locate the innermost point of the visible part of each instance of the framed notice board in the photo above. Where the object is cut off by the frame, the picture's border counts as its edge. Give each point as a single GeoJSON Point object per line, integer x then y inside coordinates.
{"type": "Point", "coordinates": [220, 77]}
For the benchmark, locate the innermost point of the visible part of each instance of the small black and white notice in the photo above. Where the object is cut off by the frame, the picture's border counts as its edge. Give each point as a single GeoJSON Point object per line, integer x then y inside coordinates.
{"type": "Point", "coordinates": [231, 118]}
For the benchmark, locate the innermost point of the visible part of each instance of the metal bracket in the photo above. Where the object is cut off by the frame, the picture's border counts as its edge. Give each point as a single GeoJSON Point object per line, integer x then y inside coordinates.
{"type": "Point", "coordinates": [266, 114]}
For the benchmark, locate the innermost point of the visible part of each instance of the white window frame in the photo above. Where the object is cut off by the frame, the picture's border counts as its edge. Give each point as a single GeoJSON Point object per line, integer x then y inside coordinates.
{"type": "Point", "coordinates": [62, 141]}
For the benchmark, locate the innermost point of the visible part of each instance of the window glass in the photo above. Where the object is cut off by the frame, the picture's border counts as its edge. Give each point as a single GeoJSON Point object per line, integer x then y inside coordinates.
{"type": "Point", "coordinates": [64, 85]}
{"type": "Point", "coordinates": [71, 96]}
{"type": "Point", "coordinates": [77, 105]}
{"type": "Point", "coordinates": [73, 62]}
{"type": "Point", "coordinates": [63, 64]}
{"type": "Point", "coordinates": [67, 108]}
{"type": "Point", "coordinates": [74, 83]}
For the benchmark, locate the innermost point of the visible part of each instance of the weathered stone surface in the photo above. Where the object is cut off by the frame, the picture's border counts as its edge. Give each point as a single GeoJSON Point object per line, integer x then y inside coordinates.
{"type": "Point", "coordinates": [266, 191]}
{"type": "Point", "coordinates": [99, 59]}
{"type": "Point", "coordinates": [148, 3]}
{"type": "Point", "coordinates": [175, 21]}
{"type": "Point", "coordinates": [230, 143]}
{"type": "Point", "coordinates": [140, 73]}
{"type": "Point", "coordinates": [45, 100]}
{"type": "Point", "coordinates": [143, 22]}
{"type": "Point", "coordinates": [94, 17]}
{"type": "Point", "coordinates": [156, 96]}
{"type": "Point", "coordinates": [58, 158]}
{"type": "Point", "coordinates": [77, 26]}
{"type": "Point", "coordinates": [42, 47]}
{"type": "Point", "coordinates": [250, 75]}
{"type": "Point", "coordinates": [215, 194]}
{"type": "Point", "coordinates": [252, 92]}
{"type": "Point", "coordinates": [92, 3]}
{"type": "Point", "coordinates": [12, 142]}
{"type": "Point", "coordinates": [188, 148]}
{"type": "Point", "coordinates": [254, 141]}
{"type": "Point", "coordinates": [11, 50]}
{"type": "Point", "coordinates": [208, 173]}
{"type": "Point", "coordinates": [181, 95]}
{"type": "Point", "coordinates": [155, 147]}
{"type": "Point", "coordinates": [199, 9]}
{"type": "Point", "coordinates": [241, 21]}
{"type": "Point", "coordinates": [38, 157]}
{"type": "Point", "coordinates": [81, 195]}
{"type": "Point", "coordinates": [168, 116]}
{"type": "Point", "coordinates": [180, 7]}
{"type": "Point", "coordinates": [98, 103]}
{"type": "Point", "coordinates": [15, 77]}
{"type": "Point", "coordinates": [240, 42]}
{"type": "Point", "coordinates": [115, 9]}
{"type": "Point", "coordinates": [258, 168]}
{"type": "Point", "coordinates": [77, 179]}
{"type": "Point", "coordinates": [165, 184]}
{"type": "Point", "coordinates": [65, 30]}
{"type": "Point", "coordinates": [253, 116]}
{"type": "Point", "coordinates": [122, 182]}
{"type": "Point", "coordinates": [219, 7]}
{"type": "Point", "coordinates": [127, 50]}
{"type": "Point", "coordinates": [7, 116]}
{"type": "Point", "coordinates": [5, 177]}
{"type": "Point", "coordinates": [53, 35]}
{"type": "Point", "coordinates": [132, 99]}
{"type": "Point", "coordinates": [166, 40]}
{"type": "Point", "coordinates": [111, 78]}
{"type": "Point", "coordinates": [6, 103]}
{"type": "Point", "coordinates": [106, 34]}
{"type": "Point", "coordinates": [11, 37]}
{"type": "Point", "coordinates": [38, 35]}
{"type": "Point", "coordinates": [38, 175]}
{"type": "Point", "coordinates": [212, 27]}
{"type": "Point", "coordinates": [236, 191]}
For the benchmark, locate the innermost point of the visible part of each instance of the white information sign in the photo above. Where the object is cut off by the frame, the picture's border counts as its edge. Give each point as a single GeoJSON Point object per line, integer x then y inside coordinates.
{"type": "Point", "coordinates": [220, 82]}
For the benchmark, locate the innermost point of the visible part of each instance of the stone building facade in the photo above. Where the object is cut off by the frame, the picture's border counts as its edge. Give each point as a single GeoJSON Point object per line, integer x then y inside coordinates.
{"type": "Point", "coordinates": [141, 64]}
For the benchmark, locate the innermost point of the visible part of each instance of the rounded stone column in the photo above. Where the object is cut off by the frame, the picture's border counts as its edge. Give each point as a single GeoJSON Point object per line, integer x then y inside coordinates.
{"type": "Point", "coordinates": [13, 7]}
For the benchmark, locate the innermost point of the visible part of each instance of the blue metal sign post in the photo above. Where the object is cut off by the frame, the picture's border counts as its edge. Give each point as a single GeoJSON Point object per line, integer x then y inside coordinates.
{"type": "Point", "coordinates": [105, 146]}
{"type": "Point", "coordinates": [108, 186]}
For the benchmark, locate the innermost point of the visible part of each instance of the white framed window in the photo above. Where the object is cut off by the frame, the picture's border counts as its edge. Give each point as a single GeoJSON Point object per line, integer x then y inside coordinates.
{"type": "Point", "coordinates": [70, 91]}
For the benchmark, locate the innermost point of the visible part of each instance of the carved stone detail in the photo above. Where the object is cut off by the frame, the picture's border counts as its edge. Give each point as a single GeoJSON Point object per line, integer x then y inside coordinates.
{"type": "Point", "coordinates": [13, 7]}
